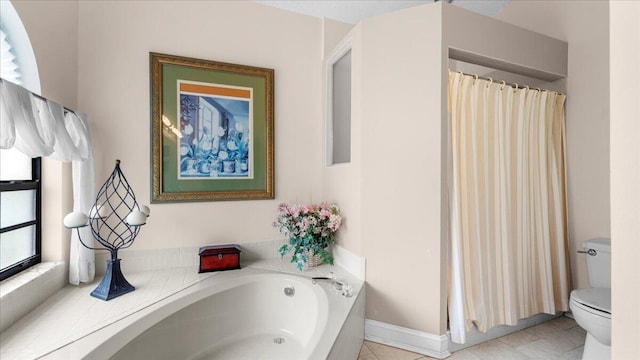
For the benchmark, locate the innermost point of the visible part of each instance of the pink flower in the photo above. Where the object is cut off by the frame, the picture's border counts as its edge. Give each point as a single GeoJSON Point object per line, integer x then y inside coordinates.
{"type": "Point", "coordinates": [283, 209]}
{"type": "Point", "coordinates": [324, 213]}
{"type": "Point", "coordinates": [320, 221]}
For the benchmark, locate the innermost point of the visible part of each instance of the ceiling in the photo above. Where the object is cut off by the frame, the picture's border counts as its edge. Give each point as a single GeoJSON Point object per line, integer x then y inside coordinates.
{"type": "Point", "coordinates": [352, 11]}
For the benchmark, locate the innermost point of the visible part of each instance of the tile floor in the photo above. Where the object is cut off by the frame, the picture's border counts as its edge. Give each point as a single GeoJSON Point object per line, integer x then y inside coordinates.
{"type": "Point", "coordinates": [557, 339]}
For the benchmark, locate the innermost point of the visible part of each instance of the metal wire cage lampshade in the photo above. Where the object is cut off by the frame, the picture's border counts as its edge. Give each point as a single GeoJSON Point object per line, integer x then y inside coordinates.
{"type": "Point", "coordinates": [115, 220]}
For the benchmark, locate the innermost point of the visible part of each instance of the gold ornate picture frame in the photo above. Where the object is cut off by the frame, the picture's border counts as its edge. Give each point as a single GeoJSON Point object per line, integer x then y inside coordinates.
{"type": "Point", "coordinates": [211, 130]}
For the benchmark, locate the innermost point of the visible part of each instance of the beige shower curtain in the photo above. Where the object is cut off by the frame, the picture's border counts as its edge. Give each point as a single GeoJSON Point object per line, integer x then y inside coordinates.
{"type": "Point", "coordinates": [508, 253]}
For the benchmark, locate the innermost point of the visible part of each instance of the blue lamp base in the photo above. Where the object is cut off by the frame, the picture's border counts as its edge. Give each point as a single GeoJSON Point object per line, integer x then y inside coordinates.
{"type": "Point", "coordinates": [113, 283]}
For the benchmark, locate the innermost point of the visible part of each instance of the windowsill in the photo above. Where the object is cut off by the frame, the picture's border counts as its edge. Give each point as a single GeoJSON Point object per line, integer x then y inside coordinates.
{"type": "Point", "coordinates": [14, 282]}
{"type": "Point", "coordinates": [23, 292]}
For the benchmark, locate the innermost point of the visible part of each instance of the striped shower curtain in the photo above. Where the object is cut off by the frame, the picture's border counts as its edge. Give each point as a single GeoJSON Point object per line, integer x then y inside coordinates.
{"type": "Point", "coordinates": [508, 208]}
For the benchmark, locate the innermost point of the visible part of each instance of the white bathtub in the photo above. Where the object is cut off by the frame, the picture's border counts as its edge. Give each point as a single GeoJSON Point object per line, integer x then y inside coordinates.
{"type": "Point", "coordinates": [241, 314]}
{"type": "Point", "coordinates": [241, 323]}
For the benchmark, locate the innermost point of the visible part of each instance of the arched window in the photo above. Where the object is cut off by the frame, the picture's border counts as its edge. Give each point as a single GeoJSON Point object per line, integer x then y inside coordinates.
{"type": "Point", "coordinates": [18, 50]}
{"type": "Point", "coordinates": [9, 69]}
{"type": "Point", "coordinates": [20, 198]}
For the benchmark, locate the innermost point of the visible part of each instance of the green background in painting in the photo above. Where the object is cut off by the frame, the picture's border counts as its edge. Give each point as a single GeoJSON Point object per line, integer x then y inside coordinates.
{"type": "Point", "coordinates": [170, 181]}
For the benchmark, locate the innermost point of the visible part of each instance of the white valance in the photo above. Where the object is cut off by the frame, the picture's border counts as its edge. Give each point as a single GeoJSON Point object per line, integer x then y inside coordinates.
{"type": "Point", "coordinates": [39, 127]}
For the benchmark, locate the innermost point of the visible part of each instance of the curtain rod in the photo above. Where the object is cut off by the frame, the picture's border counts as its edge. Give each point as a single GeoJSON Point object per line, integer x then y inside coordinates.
{"type": "Point", "coordinates": [39, 96]}
{"type": "Point", "coordinates": [513, 85]}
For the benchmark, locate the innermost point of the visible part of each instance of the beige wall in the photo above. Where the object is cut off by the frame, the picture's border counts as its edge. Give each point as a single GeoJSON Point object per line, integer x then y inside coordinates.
{"type": "Point", "coordinates": [625, 177]}
{"type": "Point", "coordinates": [400, 127]}
{"type": "Point", "coordinates": [585, 26]}
{"type": "Point", "coordinates": [341, 182]}
{"type": "Point", "coordinates": [397, 178]}
{"type": "Point", "coordinates": [115, 39]}
{"type": "Point", "coordinates": [394, 224]}
{"type": "Point", "coordinates": [93, 56]}
{"type": "Point", "coordinates": [333, 33]}
{"type": "Point", "coordinates": [52, 27]}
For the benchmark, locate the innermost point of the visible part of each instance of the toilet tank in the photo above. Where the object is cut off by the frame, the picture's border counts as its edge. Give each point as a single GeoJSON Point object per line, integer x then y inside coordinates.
{"type": "Point", "coordinates": [599, 265]}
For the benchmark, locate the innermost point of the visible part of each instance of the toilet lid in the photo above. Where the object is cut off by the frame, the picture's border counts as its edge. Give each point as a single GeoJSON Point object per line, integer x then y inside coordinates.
{"type": "Point", "coordinates": [596, 298]}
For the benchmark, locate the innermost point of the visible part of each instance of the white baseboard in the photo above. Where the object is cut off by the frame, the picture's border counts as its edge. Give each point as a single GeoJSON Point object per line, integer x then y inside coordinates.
{"type": "Point", "coordinates": [440, 346]}
{"type": "Point", "coordinates": [349, 261]}
{"type": "Point", "coordinates": [435, 346]}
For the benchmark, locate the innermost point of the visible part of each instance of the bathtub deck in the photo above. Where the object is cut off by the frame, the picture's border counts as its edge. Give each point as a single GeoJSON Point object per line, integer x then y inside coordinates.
{"type": "Point", "coordinates": [72, 313]}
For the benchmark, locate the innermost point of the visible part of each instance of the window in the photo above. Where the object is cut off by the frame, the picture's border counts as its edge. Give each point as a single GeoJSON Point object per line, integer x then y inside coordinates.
{"type": "Point", "coordinates": [9, 66]}
{"type": "Point", "coordinates": [20, 176]}
{"type": "Point", "coordinates": [20, 209]}
{"type": "Point", "coordinates": [339, 124]}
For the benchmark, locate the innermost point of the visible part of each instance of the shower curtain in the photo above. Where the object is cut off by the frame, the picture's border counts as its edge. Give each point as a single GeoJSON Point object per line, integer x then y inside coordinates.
{"type": "Point", "coordinates": [508, 208]}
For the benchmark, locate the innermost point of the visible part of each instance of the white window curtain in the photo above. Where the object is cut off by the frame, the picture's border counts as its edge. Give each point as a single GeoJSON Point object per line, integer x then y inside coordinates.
{"type": "Point", "coordinates": [508, 222]}
{"type": "Point", "coordinates": [38, 127]}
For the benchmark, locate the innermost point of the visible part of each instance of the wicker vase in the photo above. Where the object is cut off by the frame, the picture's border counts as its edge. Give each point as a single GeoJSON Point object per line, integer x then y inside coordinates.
{"type": "Point", "coordinates": [313, 260]}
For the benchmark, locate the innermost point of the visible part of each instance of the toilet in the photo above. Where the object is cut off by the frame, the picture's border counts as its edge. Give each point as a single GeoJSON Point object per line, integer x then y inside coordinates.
{"type": "Point", "coordinates": [592, 307]}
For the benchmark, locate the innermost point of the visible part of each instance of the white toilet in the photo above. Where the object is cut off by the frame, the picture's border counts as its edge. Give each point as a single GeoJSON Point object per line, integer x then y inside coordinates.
{"type": "Point", "coordinates": [592, 307]}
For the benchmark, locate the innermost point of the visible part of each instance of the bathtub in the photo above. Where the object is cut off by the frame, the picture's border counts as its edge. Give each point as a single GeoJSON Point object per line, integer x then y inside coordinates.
{"type": "Point", "coordinates": [242, 314]}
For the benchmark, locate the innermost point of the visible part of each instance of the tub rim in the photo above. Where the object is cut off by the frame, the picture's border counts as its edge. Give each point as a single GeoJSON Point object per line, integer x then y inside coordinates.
{"type": "Point", "coordinates": [108, 340]}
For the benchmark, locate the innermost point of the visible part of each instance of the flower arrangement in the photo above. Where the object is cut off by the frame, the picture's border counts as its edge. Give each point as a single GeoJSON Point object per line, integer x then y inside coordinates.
{"type": "Point", "coordinates": [310, 228]}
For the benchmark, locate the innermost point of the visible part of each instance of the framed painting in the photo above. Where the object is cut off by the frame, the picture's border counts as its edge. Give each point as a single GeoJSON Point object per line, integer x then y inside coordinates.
{"type": "Point", "coordinates": [211, 129]}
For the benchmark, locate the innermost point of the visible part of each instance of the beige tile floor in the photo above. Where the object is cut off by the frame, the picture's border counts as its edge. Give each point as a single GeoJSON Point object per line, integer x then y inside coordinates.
{"type": "Point", "coordinates": [557, 339]}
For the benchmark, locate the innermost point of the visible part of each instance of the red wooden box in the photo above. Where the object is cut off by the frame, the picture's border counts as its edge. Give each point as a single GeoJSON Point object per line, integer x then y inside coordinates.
{"type": "Point", "coordinates": [219, 257]}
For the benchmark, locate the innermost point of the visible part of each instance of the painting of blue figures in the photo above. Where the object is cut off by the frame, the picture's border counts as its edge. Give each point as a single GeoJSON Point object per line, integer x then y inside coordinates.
{"type": "Point", "coordinates": [216, 138]}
